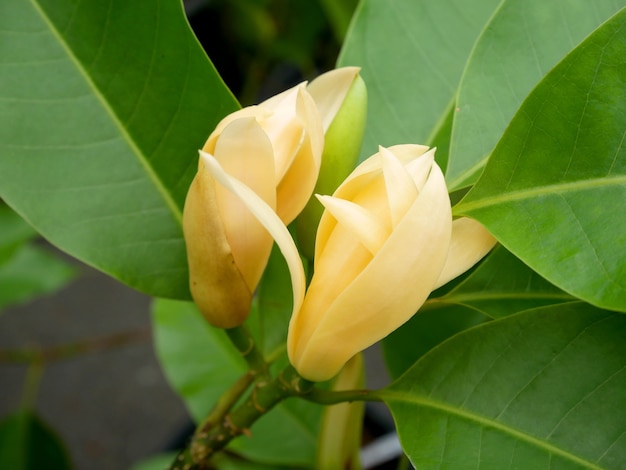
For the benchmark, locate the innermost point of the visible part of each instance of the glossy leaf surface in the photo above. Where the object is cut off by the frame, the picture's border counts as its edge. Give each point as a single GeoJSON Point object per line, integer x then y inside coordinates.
{"type": "Point", "coordinates": [521, 43]}
{"type": "Point", "coordinates": [541, 389]}
{"type": "Point", "coordinates": [501, 285]}
{"type": "Point", "coordinates": [552, 188]}
{"type": "Point", "coordinates": [101, 119]}
{"type": "Point", "coordinates": [272, 306]}
{"type": "Point", "coordinates": [412, 56]}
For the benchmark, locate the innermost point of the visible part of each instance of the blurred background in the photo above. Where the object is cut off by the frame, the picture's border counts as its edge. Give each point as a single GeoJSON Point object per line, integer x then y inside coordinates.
{"type": "Point", "coordinates": [77, 344]}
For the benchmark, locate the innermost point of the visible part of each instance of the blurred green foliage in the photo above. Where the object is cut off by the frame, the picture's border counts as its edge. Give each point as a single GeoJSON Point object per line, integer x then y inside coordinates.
{"type": "Point", "coordinates": [259, 46]}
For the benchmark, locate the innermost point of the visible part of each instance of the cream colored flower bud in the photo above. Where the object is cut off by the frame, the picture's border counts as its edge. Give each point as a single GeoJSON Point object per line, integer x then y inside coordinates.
{"type": "Point", "coordinates": [275, 150]}
{"type": "Point", "coordinates": [293, 125]}
{"type": "Point", "coordinates": [381, 247]}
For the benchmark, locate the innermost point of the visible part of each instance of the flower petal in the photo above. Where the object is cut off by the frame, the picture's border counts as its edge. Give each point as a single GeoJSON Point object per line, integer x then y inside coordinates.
{"type": "Point", "coordinates": [420, 168]}
{"type": "Point", "coordinates": [296, 185]}
{"type": "Point", "coordinates": [247, 112]}
{"type": "Point", "coordinates": [216, 283]}
{"type": "Point", "coordinates": [469, 244]}
{"type": "Point", "coordinates": [268, 218]}
{"type": "Point", "coordinates": [366, 228]}
{"type": "Point", "coordinates": [401, 190]}
{"type": "Point", "coordinates": [329, 91]}
{"type": "Point", "coordinates": [244, 150]}
{"type": "Point", "coordinates": [384, 295]}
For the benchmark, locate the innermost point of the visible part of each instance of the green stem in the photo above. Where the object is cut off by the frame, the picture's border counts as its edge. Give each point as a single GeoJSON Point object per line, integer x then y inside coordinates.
{"type": "Point", "coordinates": [210, 439]}
{"type": "Point", "coordinates": [329, 397]}
{"type": "Point", "coordinates": [245, 344]}
{"type": "Point", "coordinates": [227, 401]}
{"type": "Point", "coordinates": [212, 436]}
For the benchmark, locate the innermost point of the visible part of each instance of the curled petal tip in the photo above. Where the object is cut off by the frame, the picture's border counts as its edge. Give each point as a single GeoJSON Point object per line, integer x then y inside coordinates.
{"type": "Point", "coordinates": [470, 242]}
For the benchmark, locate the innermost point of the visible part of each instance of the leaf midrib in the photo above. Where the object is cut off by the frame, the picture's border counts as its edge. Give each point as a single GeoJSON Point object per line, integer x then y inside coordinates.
{"type": "Point", "coordinates": [152, 175]}
{"type": "Point", "coordinates": [389, 396]}
{"type": "Point", "coordinates": [498, 295]}
{"type": "Point", "coordinates": [537, 191]}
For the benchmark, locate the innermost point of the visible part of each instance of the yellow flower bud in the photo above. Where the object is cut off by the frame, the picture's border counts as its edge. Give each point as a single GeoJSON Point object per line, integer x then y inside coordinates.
{"type": "Point", "coordinates": [381, 247]}
{"type": "Point", "coordinates": [293, 125]}
{"type": "Point", "coordinates": [275, 150]}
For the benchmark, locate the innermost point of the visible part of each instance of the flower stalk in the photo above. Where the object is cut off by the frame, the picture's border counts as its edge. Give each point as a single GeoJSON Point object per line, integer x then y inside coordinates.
{"type": "Point", "coordinates": [213, 434]}
{"type": "Point", "coordinates": [241, 338]}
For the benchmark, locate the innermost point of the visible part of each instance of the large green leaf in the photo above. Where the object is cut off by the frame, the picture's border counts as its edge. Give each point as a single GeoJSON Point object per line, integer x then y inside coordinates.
{"type": "Point", "coordinates": [104, 105]}
{"type": "Point", "coordinates": [201, 364]}
{"type": "Point", "coordinates": [522, 42]}
{"type": "Point", "coordinates": [541, 389]}
{"type": "Point", "coordinates": [425, 330]}
{"type": "Point", "coordinates": [555, 185]}
{"type": "Point", "coordinates": [272, 305]}
{"type": "Point", "coordinates": [412, 55]}
{"type": "Point", "coordinates": [501, 285]}
{"type": "Point", "coordinates": [27, 443]}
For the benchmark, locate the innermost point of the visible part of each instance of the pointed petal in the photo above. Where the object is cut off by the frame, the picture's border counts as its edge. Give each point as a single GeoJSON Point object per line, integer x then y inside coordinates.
{"type": "Point", "coordinates": [385, 294]}
{"type": "Point", "coordinates": [216, 284]}
{"type": "Point", "coordinates": [248, 112]}
{"type": "Point", "coordinates": [420, 168]}
{"type": "Point", "coordinates": [309, 115]}
{"type": "Point", "coordinates": [469, 244]}
{"type": "Point", "coordinates": [330, 89]}
{"type": "Point", "coordinates": [297, 182]}
{"type": "Point", "coordinates": [401, 190]}
{"type": "Point", "coordinates": [268, 218]}
{"type": "Point", "coordinates": [358, 221]}
{"type": "Point", "coordinates": [245, 152]}
{"type": "Point", "coordinates": [285, 99]}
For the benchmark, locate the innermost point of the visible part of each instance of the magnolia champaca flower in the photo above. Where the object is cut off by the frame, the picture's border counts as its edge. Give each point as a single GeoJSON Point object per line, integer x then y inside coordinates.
{"type": "Point", "coordinates": [385, 241]}
{"type": "Point", "coordinates": [275, 150]}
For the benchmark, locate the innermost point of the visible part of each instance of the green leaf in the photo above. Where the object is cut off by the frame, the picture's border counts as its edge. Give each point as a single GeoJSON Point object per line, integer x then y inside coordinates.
{"type": "Point", "coordinates": [31, 272]}
{"type": "Point", "coordinates": [500, 286]}
{"type": "Point", "coordinates": [198, 359]}
{"type": "Point", "coordinates": [425, 330]}
{"type": "Point", "coordinates": [201, 364]}
{"type": "Point", "coordinates": [27, 443]}
{"type": "Point", "coordinates": [13, 233]}
{"type": "Point", "coordinates": [553, 186]}
{"type": "Point", "coordinates": [104, 105]}
{"type": "Point", "coordinates": [412, 55]}
{"type": "Point", "coordinates": [541, 389]}
{"type": "Point", "coordinates": [272, 305]}
{"type": "Point", "coordinates": [522, 42]}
